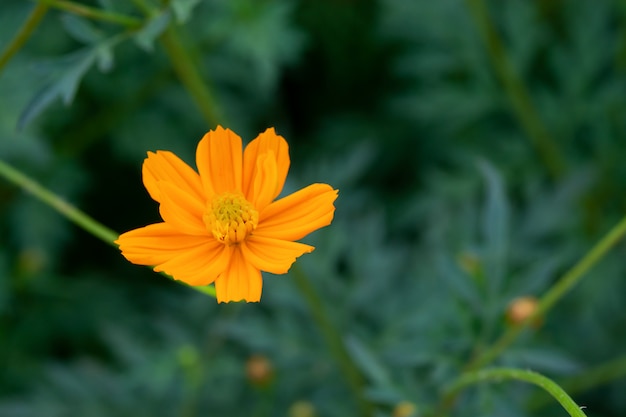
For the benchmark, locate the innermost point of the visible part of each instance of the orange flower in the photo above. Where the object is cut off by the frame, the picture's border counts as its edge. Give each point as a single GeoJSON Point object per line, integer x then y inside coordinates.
{"type": "Point", "coordinates": [223, 225]}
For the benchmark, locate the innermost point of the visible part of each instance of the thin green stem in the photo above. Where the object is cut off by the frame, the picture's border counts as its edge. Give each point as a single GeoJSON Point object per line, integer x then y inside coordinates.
{"type": "Point", "coordinates": [27, 29]}
{"type": "Point", "coordinates": [594, 377]}
{"type": "Point", "coordinates": [94, 13]}
{"type": "Point", "coordinates": [517, 92]}
{"type": "Point", "coordinates": [189, 75]}
{"type": "Point", "coordinates": [92, 226]}
{"type": "Point", "coordinates": [333, 339]}
{"type": "Point", "coordinates": [72, 213]}
{"type": "Point", "coordinates": [555, 293]}
{"type": "Point", "coordinates": [499, 374]}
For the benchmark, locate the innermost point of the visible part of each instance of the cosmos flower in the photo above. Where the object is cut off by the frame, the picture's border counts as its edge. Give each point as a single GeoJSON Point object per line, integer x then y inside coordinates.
{"type": "Point", "coordinates": [223, 224]}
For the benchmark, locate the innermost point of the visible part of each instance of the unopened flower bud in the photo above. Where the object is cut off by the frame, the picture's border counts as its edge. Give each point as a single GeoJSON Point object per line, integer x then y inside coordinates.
{"type": "Point", "coordinates": [405, 409]}
{"type": "Point", "coordinates": [520, 309]}
{"type": "Point", "coordinates": [301, 409]}
{"type": "Point", "coordinates": [259, 370]}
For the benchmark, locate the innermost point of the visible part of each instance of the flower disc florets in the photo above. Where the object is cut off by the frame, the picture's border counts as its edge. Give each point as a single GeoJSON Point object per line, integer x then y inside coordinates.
{"type": "Point", "coordinates": [231, 218]}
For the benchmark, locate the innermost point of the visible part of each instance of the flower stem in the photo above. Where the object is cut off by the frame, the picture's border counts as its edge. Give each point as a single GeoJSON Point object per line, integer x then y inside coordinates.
{"type": "Point", "coordinates": [333, 339]}
{"type": "Point", "coordinates": [498, 374]}
{"type": "Point", "coordinates": [77, 216]}
{"type": "Point", "coordinates": [189, 75]}
{"type": "Point", "coordinates": [89, 224]}
{"type": "Point", "coordinates": [27, 29]}
{"type": "Point", "coordinates": [558, 290]}
{"type": "Point", "coordinates": [94, 13]}
{"type": "Point", "coordinates": [517, 92]}
{"type": "Point", "coordinates": [555, 293]}
{"type": "Point", "coordinates": [599, 375]}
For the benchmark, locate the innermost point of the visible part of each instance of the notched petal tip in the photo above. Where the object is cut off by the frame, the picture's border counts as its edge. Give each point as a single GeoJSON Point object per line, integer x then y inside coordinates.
{"type": "Point", "coordinates": [298, 214]}
{"type": "Point", "coordinates": [265, 143]}
{"type": "Point", "coordinates": [219, 160]}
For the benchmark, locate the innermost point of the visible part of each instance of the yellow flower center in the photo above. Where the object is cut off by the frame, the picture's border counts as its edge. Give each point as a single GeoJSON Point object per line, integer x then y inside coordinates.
{"type": "Point", "coordinates": [231, 218]}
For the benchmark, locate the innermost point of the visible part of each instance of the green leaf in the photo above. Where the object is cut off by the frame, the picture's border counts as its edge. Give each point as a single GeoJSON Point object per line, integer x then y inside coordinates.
{"type": "Point", "coordinates": [81, 29]}
{"type": "Point", "coordinates": [70, 70]}
{"type": "Point", "coordinates": [368, 363]}
{"type": "Point", "coordinates": [495, 228]}
{"type": "Point", "coordinates": [459, 282]}
{"type": "Point", "coordinates": [183, 8]}
{"type": "Point", "coordinates": [146, 36]}
{"type": "Point", "coordinates": [63, 86]}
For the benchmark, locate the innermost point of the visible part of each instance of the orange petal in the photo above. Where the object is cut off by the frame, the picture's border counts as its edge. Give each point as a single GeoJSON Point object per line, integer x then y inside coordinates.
{"type": "Point", "coordinates": [298, 214]}
{"type": "Point", "coordinates": [262, 192]}
{"type": "Point", "coordinates": [156, 244]}
{"type": "Point", "coordinates": [265, 142]}
{"type": "Point", "coordinates": [181, 210]}
{"type": "Point", "coordinates": [200, 265]}
{"type": "Point", "coordinates": [272, 255]}
{"type": "Point", "coordinates": [165, 166]}
{"type": "Point", "coordinates": [219, 161]}
{"type": "Point", "coordinates": [240, 281]}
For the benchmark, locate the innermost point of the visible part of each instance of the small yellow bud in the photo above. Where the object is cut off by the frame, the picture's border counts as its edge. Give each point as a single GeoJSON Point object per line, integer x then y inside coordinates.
{"type": "Point", "coordinates": [521, 308]}
{"type": "Point", "coordinates": [405, 409]}
{"type": "Point", "coordinates": [301, 409]}
{"type": "Point", "coordinates": [259, 370]}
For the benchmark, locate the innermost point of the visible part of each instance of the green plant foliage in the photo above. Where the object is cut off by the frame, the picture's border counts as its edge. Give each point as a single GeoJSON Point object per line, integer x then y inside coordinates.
{"type": "Point", "coordinates": [433, 119]}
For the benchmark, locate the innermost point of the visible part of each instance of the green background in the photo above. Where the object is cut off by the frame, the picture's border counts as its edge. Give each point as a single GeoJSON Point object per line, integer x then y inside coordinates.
{"type": "Point", "coordinates": [479, 151]}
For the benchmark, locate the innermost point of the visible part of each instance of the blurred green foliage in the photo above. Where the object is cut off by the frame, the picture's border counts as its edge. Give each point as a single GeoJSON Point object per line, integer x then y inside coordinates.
{"type": "Point", "coordinates": [435, 121]}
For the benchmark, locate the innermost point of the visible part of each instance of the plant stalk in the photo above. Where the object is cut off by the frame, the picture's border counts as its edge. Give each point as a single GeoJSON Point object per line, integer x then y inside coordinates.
{"type": "Point", "coordinates": [189, 75]}
{"type": "Point", "coordinates": [72, 213]}
{"type": "Point", "coordinates": [94, 13]}
{"type": "Point", "coordinates": [499, 374]}
{"type": "Point", "coordinates": [518, 94]}
{"type": "Point", "coordinates": [24, 33]}
{"type": "Point", "coordinates": [333, 339]}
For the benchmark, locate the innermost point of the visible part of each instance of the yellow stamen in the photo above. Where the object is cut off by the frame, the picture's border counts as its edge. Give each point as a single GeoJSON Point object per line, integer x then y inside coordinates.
{"type": "Point", "coordinates": [231, 218]}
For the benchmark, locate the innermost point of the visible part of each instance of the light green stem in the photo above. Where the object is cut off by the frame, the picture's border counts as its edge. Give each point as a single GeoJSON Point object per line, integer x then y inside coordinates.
{"type": "Point", "coordinates": [555, 293]}
{"type": "Point", "coordinates": [29, 26]}
{"type": "Point", "coordinates": [94, 13]}
{"type": "Point", "coordinates": [499, 374]}
{"type": "Point", "coordinates": [517, 92]}
{"type": "Point", "coordinates": [72, 213]}
{"type": "Point", "coordinates": [594, 377]}
{"type": "Point", "coordinates": [102, 232]}
{"type": "Point", "coordinates": [189, 75]}
{"type": "Point", "coordinates": [333, 339]}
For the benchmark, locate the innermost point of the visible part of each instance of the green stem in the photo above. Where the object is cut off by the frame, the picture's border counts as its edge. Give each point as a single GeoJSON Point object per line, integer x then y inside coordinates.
{"type": "Point", "coordinates": [516, 91]}
{"type": "Point", "coordinates": [94, 13]}
{"type": "Point", "coordinates": [555, 293]}
{"type": "Point", "coordinates": [333, 338]}
{"type": "Point", "coordinates": [498, 374]}
{"type": "Point", "coordinates": [594, 377]}
{"type": "Point", "coordinates": [92, 226]}
{"type": "Point", "coordinates": [189, 75]}
{"type": "Point", "coordinates": [77, 216]}
{"type": "Point", "coordinates": [27, 29]}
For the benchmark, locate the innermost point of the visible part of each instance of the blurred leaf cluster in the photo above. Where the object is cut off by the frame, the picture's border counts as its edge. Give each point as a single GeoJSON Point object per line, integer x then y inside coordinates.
{"type": "Point", "coordinates": [477, 148]}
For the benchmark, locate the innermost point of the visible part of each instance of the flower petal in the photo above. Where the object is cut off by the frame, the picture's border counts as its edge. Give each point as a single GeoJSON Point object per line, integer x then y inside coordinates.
{"type": "Point", "coordinates": [219, 161]}
{"type": "Point", "coordinates": [156, 243]}
{"type": "Point", "coordinates": [165, 166]}
{"type": "Point", "coordinates": [272, 255]}
{"type": "Point", "coordinates": [298, 214]}
{"type": "Point", "coordinates": [265, 142]}
{"type": "Point", "coordinates": [262, 191]}
{"type": "Point", "coordinates": [200, 265]}
{"type": "Point", "coordinates": [181, 210]}
{"type": "Point", "coordinates": [240, 281]}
